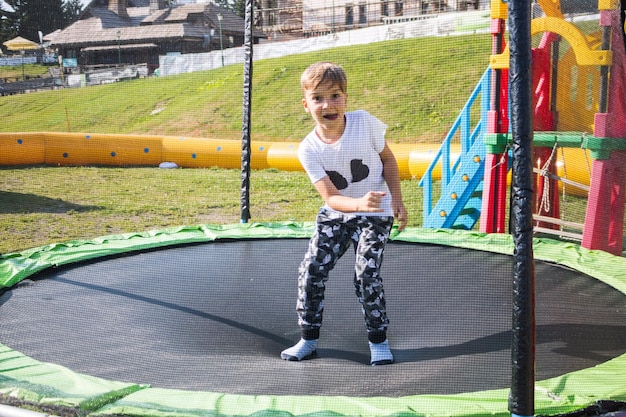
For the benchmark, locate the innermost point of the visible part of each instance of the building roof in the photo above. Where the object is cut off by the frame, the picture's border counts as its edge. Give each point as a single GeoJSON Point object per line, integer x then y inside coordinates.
{"type": "Point", "coordinates": [176, 14]}
{"type": "Point", "coordinates": [114, 47]}
{"type": "Point", "coordinates": [98, 25]}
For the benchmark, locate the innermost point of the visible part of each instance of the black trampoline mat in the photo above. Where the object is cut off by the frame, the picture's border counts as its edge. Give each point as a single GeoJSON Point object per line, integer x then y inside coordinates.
{"type": "Point", "coordinates": [214, 317]}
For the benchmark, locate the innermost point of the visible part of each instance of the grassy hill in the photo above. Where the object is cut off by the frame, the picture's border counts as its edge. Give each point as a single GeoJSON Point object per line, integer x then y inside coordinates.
{"type": "Point", "coordinates": [417, 86]}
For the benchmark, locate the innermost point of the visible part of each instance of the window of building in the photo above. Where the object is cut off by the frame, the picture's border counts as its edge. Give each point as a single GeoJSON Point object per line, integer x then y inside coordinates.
{"type": "Point", "coordinates": [273, 10]}
{"type": "Point", "coordinates": [399, 8]}
{"type": "Point", "coordinates": [349, 15]}
{"type": "Point", "coordinates": [384, 8]}
{"type": "Point", "coordinates": [362, 14]}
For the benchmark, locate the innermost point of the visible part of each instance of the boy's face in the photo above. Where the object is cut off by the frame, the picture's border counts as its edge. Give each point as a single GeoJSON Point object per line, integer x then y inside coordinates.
{"type": "Point", "coordinates": [327, 104]}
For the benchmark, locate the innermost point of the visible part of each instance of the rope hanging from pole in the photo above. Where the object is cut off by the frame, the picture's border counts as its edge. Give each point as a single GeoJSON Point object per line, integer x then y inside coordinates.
{"type": "Point", "coordinates": [543, 172]}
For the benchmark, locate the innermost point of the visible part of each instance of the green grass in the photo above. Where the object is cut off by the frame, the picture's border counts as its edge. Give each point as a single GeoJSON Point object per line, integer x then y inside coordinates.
{"type": "Point", "coordinates": [417, 86]}
{"type": "Point", "coordinates": [14, 73]}
{"type": "Point", "coordinates": [42, 205]}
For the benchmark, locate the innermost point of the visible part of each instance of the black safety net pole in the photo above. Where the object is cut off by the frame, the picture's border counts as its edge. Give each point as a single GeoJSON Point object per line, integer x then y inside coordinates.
{"type": "Point", "coordinates": [247, 109]}
{"type": "Point", "coordinates": [522, 398]}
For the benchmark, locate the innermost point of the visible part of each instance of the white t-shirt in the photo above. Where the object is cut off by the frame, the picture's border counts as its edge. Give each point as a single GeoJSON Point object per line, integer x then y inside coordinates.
{"type": "Point", "coordinates": [353, 162]}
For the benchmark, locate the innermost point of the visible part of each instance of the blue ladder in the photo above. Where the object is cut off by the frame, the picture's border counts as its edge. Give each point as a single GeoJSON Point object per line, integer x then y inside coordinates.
{"type": "Point", "coordinates": [461, 180]}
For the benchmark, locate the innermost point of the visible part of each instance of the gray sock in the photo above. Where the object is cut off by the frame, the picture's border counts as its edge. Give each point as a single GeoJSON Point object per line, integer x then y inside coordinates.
{"type": "Point", "coordinates": [304, 349]}
{"type": "Point", "coordinates": [380, 353]}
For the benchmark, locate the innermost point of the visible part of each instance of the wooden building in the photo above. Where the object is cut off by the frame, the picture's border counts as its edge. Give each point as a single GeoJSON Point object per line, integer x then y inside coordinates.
{"type": "Point", "coordinates": [118, 32]}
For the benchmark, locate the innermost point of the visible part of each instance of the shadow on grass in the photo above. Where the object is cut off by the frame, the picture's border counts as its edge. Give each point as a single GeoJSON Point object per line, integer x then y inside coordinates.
{"type": "Point", "coordinates": [13, 203]}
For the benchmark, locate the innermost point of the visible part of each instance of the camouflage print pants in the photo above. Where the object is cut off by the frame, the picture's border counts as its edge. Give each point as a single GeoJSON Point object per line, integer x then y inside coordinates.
{"type": "Point", "coordinates": [332, 237]}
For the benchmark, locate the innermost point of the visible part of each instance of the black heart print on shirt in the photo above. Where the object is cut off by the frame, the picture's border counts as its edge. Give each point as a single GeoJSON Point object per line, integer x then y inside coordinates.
{"type": "Point", "coordinates": [359, 171]}
{"type": "Point", "coordinates": [338, 180]}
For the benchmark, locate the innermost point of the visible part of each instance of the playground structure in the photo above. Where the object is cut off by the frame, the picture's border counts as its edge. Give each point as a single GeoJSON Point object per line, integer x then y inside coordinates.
{"type": "Point", "coordinates": [578, 101]}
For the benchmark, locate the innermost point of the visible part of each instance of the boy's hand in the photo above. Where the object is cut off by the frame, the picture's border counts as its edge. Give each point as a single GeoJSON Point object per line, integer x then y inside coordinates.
{"type": "Point", "coordinates": [370, 202]}
{"type": "Point", "coordinates": [401, 215]}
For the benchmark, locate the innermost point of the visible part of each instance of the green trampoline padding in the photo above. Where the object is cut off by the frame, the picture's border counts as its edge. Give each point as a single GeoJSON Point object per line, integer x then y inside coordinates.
{"type": "Point", "coordinates": [31, 381]}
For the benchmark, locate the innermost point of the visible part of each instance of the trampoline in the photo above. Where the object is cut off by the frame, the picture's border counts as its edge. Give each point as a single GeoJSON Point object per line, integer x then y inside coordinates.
{"type": "Point", "coordinates": [190, 321]}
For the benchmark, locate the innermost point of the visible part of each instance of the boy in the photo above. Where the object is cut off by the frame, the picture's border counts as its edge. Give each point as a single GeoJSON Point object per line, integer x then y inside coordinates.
{"type": "Point", "coordinates": [356, 174]}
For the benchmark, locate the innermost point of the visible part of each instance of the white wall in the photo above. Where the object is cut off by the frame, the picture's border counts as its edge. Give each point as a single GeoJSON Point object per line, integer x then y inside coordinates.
{"type": "Point", "coordinates": [432, 25]}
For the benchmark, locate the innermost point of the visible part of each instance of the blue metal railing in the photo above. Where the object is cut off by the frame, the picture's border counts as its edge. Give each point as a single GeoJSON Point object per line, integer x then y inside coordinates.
{"type": "Point", "coordinates": [471, 139]}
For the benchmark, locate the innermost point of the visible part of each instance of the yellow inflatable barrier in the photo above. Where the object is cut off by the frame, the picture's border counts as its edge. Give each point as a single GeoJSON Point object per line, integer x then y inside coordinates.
{"type": "Point", "coordinates": [22, 149]}
{"type": "Point", "coordinates": [420, 157]}
{"type": "Point", "coordinates": [202, 153]}
{"type": "Point", "coordinates": [412, 159]}
{"type": "Point", "coordinates": [99, 149]}
{"type": "Point", "coordinates": [80, 149]}
{"type": "Point", "coordinates": [283, 156]}
{"type": "Point", "coordinates": [198, 153]}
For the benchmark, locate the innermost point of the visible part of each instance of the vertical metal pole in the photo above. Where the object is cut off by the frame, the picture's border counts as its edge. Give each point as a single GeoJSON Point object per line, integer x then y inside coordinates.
{"type": "Point", "coordinates": [219, 21]}
{"type": "Point", "coordinates": [522, 398]}
{"type": "Point", "coordinates": [22, 52]}
{"type": "Point", "coordinates": [332, 24]}
{"type": "Point", "coordinates": [246, 123]}
{"type": "Point", "coordinates": [119, 49]}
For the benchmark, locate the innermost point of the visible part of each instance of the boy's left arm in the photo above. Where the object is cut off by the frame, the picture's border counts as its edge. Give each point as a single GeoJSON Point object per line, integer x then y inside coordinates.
{"type": "Point", "coordinates": [392, 177]}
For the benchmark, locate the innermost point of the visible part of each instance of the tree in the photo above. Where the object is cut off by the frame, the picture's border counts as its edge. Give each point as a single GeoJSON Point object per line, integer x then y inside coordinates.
{"type": "Point", "coordinates": [9, 23]}
{"type": "Point", "coordinates": [26, 18]}
{"type": "Point", "coordinates": [71, 10]}
{"type": "Point", "coordinates": [237, 6]}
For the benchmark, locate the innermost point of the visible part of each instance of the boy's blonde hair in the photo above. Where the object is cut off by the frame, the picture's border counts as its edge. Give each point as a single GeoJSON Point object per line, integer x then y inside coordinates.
{"type": "Point", "coordinates": [321, 72]}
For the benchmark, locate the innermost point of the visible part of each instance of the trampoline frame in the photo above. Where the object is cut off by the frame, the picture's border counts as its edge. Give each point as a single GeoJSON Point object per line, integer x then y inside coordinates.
{"type": "Point", "coordinates": [45, 384]}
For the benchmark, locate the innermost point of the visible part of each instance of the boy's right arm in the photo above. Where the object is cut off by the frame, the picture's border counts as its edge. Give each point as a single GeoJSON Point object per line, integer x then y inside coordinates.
{"type": "Point", "coordinates": [369, 203]}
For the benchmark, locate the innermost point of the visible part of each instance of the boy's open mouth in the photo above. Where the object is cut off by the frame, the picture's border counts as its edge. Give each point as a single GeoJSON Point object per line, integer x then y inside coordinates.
{"type": "Point", "coordinates": [331, 116]}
